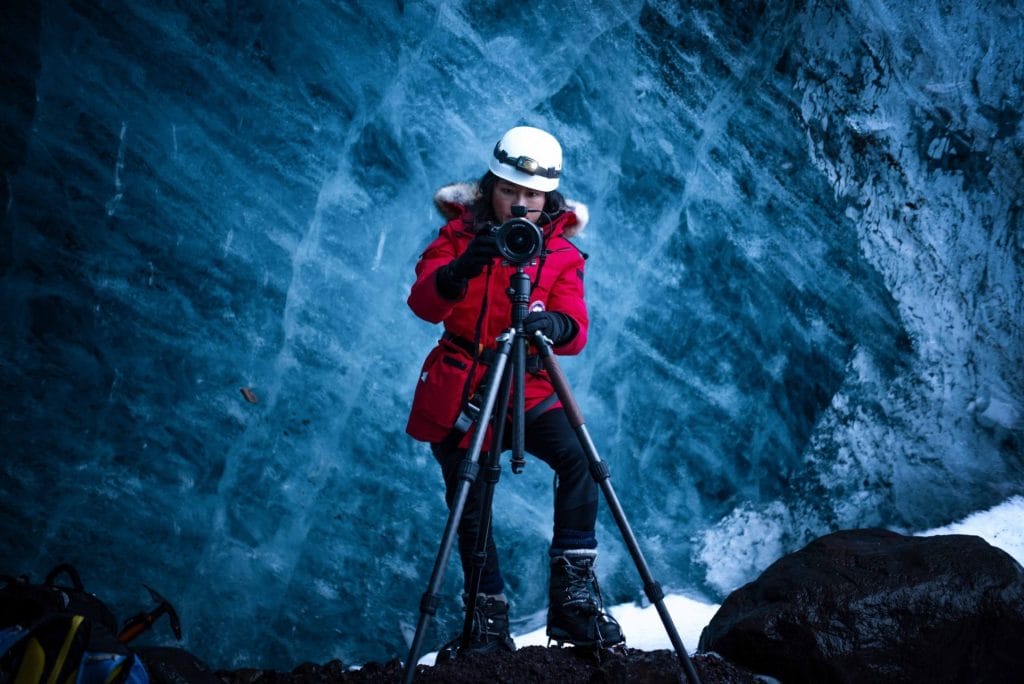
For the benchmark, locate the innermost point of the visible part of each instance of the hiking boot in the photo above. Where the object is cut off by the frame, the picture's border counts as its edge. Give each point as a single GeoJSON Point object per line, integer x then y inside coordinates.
{"type": "Point", "coordinates": [489, 633]}
{"type": "Point", "coordinates": [575, 608]}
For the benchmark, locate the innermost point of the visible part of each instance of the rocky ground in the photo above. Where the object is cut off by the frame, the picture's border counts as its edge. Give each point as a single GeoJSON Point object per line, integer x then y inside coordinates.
{"type": "Point", "coordinates": [529, 664]}
{"type": "Point", "coordinates": [852, 606]}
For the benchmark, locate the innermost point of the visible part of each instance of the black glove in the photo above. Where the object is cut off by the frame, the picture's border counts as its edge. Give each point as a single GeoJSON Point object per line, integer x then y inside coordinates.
{"type": "Point", "coordinates": [452, 278]}
{"type": "Point", "coordinates": [448, 284]}
{"type": "Point", "coordinates": [556, 326]}
{"type": "Point", "coordinates": [480, 253]}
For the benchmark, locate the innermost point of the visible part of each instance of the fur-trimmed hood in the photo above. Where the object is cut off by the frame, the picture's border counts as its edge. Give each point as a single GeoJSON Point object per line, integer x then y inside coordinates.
{"type": "Point", "coordinates": [451, 198]}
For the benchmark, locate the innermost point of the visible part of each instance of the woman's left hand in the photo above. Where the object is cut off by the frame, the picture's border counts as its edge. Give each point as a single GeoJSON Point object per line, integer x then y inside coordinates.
{"type": "Point", "coordinates": [555, 326]}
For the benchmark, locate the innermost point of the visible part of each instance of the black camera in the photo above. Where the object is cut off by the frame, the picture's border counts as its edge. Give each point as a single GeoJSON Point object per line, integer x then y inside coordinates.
{"type": "Point", "coordinates": [519, 239]}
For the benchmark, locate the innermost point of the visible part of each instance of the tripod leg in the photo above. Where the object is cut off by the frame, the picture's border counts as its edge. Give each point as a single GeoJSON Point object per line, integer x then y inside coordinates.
{"type": "Point", "coordinates": [518, 402]}
{"type": "Point", "coordinates": [467, 475]}
{"type": "Point", "coordinates": [599, 471]}
{"type": "Point", "coordinates": [491, 471]}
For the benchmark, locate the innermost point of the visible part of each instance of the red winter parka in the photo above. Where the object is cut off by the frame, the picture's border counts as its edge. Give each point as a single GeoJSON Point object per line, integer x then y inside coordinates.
{"type": "Point", "coordinates": [483, 314]}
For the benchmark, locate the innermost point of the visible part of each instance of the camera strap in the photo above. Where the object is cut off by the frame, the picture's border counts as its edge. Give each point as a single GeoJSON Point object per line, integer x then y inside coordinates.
{"type": "Point", "coordinates": [540, 267]}
{"type": "Point", "coordinates": [473, 349]}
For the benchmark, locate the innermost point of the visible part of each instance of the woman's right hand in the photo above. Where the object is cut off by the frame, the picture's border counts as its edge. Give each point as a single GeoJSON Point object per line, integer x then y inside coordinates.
{"type": "Point", "coordinates": [481, 251]}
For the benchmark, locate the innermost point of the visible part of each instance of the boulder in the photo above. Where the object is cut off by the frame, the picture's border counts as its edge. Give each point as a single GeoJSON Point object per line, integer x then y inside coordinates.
{"type": "Point", "coordinates": [873, 605]}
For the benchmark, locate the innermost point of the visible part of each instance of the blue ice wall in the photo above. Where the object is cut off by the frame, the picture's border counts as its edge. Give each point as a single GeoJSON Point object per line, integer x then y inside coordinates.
{"type": "Point", "coordinates": [805, 281]}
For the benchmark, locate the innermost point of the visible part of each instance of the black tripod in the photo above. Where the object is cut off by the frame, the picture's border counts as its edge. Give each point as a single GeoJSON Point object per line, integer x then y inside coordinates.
{"type": "Point", "coordinates": [497, 383]}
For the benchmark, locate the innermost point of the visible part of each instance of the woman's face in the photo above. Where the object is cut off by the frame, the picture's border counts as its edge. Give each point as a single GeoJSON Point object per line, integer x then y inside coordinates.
{"type": "Point", "coordinates": [506, 195]}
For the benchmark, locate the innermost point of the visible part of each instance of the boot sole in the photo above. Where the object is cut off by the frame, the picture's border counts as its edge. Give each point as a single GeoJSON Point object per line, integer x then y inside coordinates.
{"type": "Point", "coordinates": [563, 637]}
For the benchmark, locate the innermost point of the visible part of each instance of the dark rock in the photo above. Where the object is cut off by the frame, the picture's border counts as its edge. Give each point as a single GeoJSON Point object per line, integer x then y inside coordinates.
{"type": "Point", "coordinates": [529, 664]}
{"type": "Point", "coordinates": [168, 665]}
{"type": "Point", "coordinates": [873, 605]}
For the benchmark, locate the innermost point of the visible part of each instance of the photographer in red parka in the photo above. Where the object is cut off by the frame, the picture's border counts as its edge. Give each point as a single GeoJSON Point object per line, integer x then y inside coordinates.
{"type": "Point", "coordinates": [462, 282]}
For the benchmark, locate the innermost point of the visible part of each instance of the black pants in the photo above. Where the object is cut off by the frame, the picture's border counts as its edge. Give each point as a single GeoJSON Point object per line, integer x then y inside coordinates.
{"type": "Point", "coordinates": [550, 438]}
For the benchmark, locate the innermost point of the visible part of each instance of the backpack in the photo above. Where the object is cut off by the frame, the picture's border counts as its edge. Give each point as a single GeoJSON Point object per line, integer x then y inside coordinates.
{"type": "Point", "coordinates": [61, 634]}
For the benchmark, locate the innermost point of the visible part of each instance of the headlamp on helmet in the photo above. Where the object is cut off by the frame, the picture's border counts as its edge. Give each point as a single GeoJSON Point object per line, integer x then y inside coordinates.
{"type": "Point", "coordinates": [529, 157]}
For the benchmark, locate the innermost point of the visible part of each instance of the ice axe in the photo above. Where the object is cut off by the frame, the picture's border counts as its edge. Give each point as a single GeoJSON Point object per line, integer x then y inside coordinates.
{"type": "Point", "coordinates": [137, 624]}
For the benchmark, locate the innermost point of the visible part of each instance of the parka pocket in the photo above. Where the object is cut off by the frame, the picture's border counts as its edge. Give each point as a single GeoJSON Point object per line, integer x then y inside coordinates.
{"type": "Point", "coordinates": [438, 395]}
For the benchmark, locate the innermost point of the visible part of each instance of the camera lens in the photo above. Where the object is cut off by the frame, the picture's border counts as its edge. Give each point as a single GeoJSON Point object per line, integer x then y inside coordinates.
{"type": "Point", "coordinates": [519, 240]}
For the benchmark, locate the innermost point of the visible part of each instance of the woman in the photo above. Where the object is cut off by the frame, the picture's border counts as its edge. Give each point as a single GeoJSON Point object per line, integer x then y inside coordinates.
{"type": "Point", "coordinates": [461, 282]}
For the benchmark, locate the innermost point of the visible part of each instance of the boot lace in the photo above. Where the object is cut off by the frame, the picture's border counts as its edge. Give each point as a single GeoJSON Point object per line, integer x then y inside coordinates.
{"type": "Point", "coordinates": [581, 588]}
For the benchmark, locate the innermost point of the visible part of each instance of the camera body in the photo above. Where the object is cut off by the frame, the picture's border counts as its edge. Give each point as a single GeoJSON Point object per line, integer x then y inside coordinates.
{"type": "Point", "coordinates": [519, 239]}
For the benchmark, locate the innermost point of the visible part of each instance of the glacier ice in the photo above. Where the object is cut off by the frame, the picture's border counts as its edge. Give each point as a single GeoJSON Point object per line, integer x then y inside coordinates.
{"type": "Point", "coordinates": [804, 278]}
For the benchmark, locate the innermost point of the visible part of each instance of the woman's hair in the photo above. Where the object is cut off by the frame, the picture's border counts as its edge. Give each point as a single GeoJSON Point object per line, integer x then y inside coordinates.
{"type": "Point", "coordinates": [482, 209]}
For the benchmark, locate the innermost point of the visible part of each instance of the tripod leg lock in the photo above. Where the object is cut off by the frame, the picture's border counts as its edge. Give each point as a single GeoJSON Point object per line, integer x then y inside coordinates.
{"type": "Point", "coordinates": [492, 473]}
{"type": "Point", "coordinates": [429, 603]}
{"type": "Point", "coordinates": [469, 470]}
{"type": "Point", "coordinates": [470, 413]}
{"type": "Point", "coordinates": [654, 592]}
{"type": "Point", "coordinates": [599, 471]}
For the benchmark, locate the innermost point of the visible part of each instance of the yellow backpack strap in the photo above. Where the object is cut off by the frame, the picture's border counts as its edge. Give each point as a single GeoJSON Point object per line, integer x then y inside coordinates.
{"type": "Point", "coordinates": [58, 665]}
{"type": "Point", "coordinates": [34, 666]}
{"type": "Point", "coordinates": [33, 662]}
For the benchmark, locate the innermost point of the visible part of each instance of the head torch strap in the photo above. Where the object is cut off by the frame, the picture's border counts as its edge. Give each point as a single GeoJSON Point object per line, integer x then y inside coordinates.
{"type": "Point", "coordinates": [524, 164]}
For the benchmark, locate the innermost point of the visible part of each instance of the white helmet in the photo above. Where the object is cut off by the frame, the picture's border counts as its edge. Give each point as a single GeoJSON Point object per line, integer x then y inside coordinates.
{"type": "Point", "coordinates": [529, 157]}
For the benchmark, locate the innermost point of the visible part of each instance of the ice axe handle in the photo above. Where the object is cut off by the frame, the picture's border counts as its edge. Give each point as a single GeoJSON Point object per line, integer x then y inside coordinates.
{"type": "Point", "coordinates": [136, 625]}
